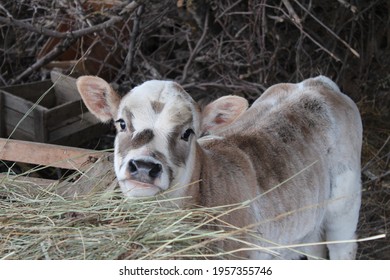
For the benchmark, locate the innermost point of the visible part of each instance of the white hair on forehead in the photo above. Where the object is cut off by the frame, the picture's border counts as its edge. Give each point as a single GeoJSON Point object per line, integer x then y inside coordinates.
{"type": "Point", "coordinates": [177, 107]}
{"type": "Point", "coordinates": [188, 101]}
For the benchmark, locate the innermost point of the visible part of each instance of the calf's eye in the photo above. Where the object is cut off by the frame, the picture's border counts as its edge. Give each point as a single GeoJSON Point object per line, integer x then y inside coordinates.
{"type": "Point", "coordinates": [186, 135]}
{"type": "Point", "coordinates": [122, 124]}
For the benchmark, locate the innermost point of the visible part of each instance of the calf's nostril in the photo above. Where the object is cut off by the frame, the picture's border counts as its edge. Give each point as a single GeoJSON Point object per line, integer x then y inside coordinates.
{"type": "Point", "coordinates": [144, 169]}
{"type": "Point", "coordinates": [133, 166]}
{"type": "Point", "coordinates": [155, 171]}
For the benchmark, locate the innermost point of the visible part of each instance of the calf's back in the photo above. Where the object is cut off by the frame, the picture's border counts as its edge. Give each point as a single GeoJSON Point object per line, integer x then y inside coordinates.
{"type": "Point", "coordinates": [297, 152]}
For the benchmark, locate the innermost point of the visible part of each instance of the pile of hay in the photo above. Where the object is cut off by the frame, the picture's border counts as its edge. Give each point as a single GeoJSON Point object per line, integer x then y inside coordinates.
{"type": "Point", "coordinates": [38, 223]}
{"type": "Point", "coordinates": [86, 217]}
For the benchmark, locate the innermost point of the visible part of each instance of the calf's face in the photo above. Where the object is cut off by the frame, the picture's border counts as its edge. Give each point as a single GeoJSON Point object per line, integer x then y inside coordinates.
{"type": "Point", "coordinates": [157, 127]}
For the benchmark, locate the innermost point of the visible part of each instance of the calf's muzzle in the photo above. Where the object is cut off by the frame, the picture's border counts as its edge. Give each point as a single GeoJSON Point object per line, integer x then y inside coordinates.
{"type": "Point", "coordinates": [144, 171]}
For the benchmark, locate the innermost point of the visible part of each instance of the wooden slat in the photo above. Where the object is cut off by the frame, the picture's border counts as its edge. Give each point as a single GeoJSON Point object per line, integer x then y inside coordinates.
{"type": "Point", "coordinates": [72, 133]}
{"type": "Point", "coordinates": [64, 112]}
{"type": "Point", "coordinates": [19, 133]}
{"type": "Point", "coordinates": [31, 180]}
{"type": "Point", "coordinates": [29, 185]}
{"type": "Point", "coordinates": [100, 177]}
{"type": "Point", "coordinates": [40, 128]}
{"type": "Point", "coordinates": [47, 154]}
{"type": "Point", "coordinates": [13, 118]}
{"type": "Point", "coordinates": [65, 87]}
{"type": "Point", "coordinates": [31, 92]}
{"type": "Point", "coordinates": [19, 104]}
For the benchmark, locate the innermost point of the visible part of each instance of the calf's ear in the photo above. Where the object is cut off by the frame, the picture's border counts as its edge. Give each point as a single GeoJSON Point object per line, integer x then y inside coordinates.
{"type": "Point", "coordinates": [222, 112]}
{"type": "Point", "coordinates": [99, 97]}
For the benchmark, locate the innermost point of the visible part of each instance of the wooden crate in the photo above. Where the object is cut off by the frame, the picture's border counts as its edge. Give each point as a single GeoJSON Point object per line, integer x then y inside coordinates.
{"type": "Point", "coordinates": [47, 112]}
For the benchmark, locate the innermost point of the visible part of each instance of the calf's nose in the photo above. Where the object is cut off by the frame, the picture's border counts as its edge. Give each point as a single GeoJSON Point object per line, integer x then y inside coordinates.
{"type": "Point", "coordinates": [144, 171]}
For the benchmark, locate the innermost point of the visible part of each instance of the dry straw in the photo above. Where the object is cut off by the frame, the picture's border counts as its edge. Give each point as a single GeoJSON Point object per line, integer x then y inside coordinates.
{"type": "Point", "coordinates": [42, 224]}
{"type": "Point", "coordinates": [41, 221]}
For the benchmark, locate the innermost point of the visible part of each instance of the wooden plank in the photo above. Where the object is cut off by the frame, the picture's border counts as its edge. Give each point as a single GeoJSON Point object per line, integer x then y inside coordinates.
{"type": "Point", "coordinates": [30, 185]}
{"type": "Point", "coordinates": [24, 89]}
{"type": "Point", "coordinates": [65, 87]}
{"type": "Point", "coordinates": [18, 103]}
{"type": "Point", "coordinates": [52, 121]}
{"type": "Point", "coordinates": [81, 130]}
{"type": "Point", "coordinates": [31, 92]}
{"type": "Point", "coordinates": [30, 180]}
{"type": "Point", "coordinates": [19, 133]}
{"type": "Point", "coordinates": [14, 117]}
{"type": "Point", "coordinates": [99, 177]}
{"type": "Point", "coordinates": [40, 129]}
{"type": "Point", "coordinates": [64, 112]}
{"type": "Point", "coordinates": [47, 154]}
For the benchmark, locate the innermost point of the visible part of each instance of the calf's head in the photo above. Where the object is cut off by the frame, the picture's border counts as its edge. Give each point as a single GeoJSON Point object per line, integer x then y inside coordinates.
{"type": "Point", "coordinates": [157, 124]}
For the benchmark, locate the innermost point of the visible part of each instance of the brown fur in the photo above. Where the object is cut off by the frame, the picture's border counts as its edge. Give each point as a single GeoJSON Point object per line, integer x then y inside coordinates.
{"type": "Point", "coordinates": [292, 160]}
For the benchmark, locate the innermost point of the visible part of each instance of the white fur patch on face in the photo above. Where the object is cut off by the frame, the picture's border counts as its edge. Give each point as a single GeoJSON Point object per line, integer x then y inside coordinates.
{"type": "Point", "coordinates": [135, 189]}
{"type": "Point", "coordinates": [165, 110]}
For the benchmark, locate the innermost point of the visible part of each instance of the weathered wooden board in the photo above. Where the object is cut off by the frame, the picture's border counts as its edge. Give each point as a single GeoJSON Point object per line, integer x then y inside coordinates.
{"type": "Point", "coordinates": [97, 177]}
{"type": "Point", "coordinates": [60, 117]}
{"type": "Point", "coordinates": [65, 86]}
{"type": "Point", "coordinates": [45, 183]}
{"type": "Point", "coordinates": [47, 154]}
{"type": "Point", "coordinates": [64, 112]}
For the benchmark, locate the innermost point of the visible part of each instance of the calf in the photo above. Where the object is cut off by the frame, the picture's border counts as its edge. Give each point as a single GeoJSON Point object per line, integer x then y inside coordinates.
{"type": "Point", "coordinates": [294, 156]}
